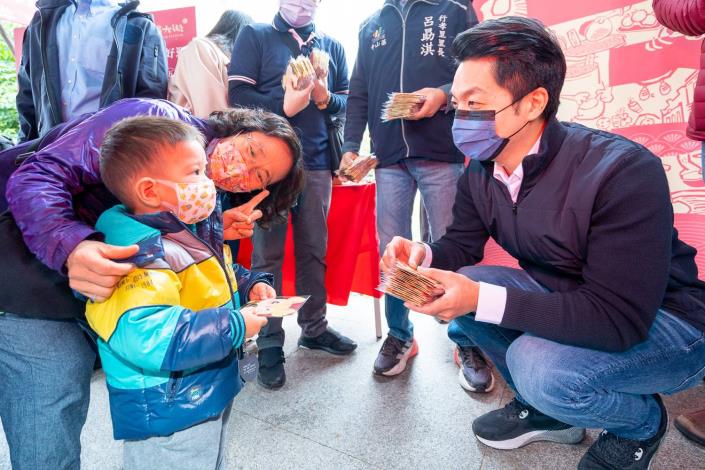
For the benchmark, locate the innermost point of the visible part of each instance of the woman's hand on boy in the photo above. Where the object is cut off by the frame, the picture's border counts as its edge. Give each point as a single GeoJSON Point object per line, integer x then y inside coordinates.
{"type": "Point", "coordinates": [92, 271]}
{"type": "Point", "coordinates": [262, 291]}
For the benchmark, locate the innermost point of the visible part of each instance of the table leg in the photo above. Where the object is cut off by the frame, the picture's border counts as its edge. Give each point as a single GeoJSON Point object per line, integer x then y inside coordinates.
{"type": "Point", "coordinates": [378, 318]}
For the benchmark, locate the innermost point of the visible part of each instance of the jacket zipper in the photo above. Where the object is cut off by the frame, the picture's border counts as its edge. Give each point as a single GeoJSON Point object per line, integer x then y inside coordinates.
{"type": "Point", "coordinates": [154, 67]}
{"type": "Point", "coordinates": [175, 377]}
{"type": "Point", "coordinates": [104, 98]}
{"type": "Point", "coordinates": [401, 73]}
{"type": "Point", "coordinates": [403, 50]}
{"type": "Point", "coordinates": [42, 38]}
{"type": "Point", "coordinates": [515, 207]}
{"type": "Point", "coordinates": [173, 385]}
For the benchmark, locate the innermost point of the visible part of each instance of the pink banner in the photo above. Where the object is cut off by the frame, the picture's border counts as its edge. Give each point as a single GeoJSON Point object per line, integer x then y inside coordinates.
{"type": "Point", "coordinates": [178, 27]}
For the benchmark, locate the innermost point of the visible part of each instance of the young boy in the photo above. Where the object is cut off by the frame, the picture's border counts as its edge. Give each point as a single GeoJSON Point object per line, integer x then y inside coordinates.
{"type": "Point", "coordinates": [171, 333]}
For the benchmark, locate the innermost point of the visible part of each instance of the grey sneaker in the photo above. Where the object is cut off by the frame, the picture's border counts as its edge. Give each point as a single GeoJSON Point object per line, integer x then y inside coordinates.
{"type": "Point", "coordinates": [475, 374]}
{"type": "Point", "coordinates": [610, 452]}
{"type": "Point", "coordinates": [517, 425]}
{"type": "Point", "coordinates": [394, 355]}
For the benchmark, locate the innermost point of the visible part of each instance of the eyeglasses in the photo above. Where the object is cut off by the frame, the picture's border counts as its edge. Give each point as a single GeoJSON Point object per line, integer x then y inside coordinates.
{"type": "Point", "coordinates": [253, 153]}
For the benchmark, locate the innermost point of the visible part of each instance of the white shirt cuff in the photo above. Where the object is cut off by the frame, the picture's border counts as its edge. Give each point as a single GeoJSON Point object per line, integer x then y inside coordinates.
{"type": "Point", "coordinates": [428, 257]}
{"type": "Point", "coordinates": [491, 302]}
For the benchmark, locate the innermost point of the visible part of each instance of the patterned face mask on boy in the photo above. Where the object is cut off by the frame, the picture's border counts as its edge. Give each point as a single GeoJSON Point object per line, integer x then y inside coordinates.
{"type": "Point", "coordinates": [196, 201]}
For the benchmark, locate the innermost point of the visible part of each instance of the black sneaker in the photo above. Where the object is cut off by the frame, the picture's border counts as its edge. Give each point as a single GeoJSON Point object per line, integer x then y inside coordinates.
{"type": "Point", "coordinates": [517, 425]}
{"type": "Point", "coordinates": [330, 341]}
{"type": "Point", "coordinates": [271, 373]}
{"type": "Point", "coordinates": [394, 355]}
{"type": "Point", "coordinates": [610, 452]}
{"type": "Point", "coordinates": [475, 374]}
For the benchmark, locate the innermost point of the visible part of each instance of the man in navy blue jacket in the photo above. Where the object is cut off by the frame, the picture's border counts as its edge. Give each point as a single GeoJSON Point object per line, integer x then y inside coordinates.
{"type": "Point", "coordinates": [405, 47]}
{"type": "Point", "coordinates": [260, 58]}
{"type": "Point", "coordinates": [607, 311]}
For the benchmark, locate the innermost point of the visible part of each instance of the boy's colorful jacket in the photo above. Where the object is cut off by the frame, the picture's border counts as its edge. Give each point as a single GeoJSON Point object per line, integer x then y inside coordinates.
{"type": "Point", "coordinates": [168, 336]}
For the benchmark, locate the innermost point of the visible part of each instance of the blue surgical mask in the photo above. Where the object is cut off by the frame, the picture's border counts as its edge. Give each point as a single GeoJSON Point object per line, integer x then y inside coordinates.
{"type": "Point", "coordinates": [475, 134]}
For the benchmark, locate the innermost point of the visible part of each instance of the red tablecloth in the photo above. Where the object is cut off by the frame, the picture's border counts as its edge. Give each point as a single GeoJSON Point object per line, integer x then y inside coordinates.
{"type": "Point", "coordinates": [353, 252]}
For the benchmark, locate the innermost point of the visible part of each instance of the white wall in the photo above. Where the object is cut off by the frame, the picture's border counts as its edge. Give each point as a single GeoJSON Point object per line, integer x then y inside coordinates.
{"type": "Point", "coordinates": [338, 18]}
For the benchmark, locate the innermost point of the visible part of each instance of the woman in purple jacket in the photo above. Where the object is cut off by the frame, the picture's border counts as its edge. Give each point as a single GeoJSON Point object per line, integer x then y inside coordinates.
{"type": "Point", "coordinates": [55, 198]}
{"type": "Point", "coordinates": [688, 17]}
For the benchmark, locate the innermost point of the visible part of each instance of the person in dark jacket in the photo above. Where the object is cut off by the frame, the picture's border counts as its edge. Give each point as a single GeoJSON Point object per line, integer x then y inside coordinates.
{"type": "Point", "coordinates": [56, 196]}
{"type": "Point", "coordinates": [81, 55]}
{"type": "Point", "coordinates": [688, 17]}
{"type": "Point", "coordinates": [260, 58]}
{"type": "Point", "coordinates": [405, 47]}
{"type": "Point", "coordinates": [607, 310]}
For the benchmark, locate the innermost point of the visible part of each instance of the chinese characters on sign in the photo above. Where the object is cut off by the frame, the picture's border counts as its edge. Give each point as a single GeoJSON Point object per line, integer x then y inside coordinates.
{"type": "Point", "coordinates": [429, 36]}
{"type": "Point", "coordinates": [178, 27]}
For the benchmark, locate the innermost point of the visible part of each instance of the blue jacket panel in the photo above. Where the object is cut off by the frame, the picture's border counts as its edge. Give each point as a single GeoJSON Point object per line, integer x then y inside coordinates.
{"type": "Point", "coordinates": [260, 59]}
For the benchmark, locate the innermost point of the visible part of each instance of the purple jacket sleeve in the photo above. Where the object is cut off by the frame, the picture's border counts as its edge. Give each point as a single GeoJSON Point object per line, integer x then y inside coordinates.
{"type": "Point", "coordinates": [685, 16]}
{"type": "Point", "coordinates": [41, 192]}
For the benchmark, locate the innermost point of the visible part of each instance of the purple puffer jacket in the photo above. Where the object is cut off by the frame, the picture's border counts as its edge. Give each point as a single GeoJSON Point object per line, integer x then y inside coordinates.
{"type": "Point", "coordinates": [688, 17]}
{"type": "Point", "coordinates": [57, 195]}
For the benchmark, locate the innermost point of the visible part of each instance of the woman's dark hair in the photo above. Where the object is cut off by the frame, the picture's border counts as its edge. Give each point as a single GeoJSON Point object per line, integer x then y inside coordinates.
{"type": "Point", "coordinates": [283, 194]}
{"type": "Point", "coordinates": [527, 56]}
{"type": "Point", "coordinates": [227, 28]}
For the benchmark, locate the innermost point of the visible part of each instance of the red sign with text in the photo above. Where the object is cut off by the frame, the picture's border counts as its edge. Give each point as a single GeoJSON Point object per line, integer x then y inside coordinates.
{"type": "Point", "coordinates": [178, 27]}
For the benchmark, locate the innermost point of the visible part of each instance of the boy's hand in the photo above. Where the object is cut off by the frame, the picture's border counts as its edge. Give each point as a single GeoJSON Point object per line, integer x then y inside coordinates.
{"type": "Point", "coordinates": [253, 324]}
{"type": "Point", "coordinates": [92, 271]}
{"type": "Point", "coordinates": [262, 291]}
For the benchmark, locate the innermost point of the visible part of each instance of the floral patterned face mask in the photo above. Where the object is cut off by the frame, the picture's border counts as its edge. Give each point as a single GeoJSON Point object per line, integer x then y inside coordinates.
{"type": "Point", "coordinates": [227, 167]}
{"type": "Point", "coordinates": [196, 201]}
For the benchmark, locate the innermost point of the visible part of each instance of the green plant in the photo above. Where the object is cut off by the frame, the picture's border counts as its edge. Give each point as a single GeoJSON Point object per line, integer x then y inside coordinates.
{"type": "Point", "coordinates": [9, 124]}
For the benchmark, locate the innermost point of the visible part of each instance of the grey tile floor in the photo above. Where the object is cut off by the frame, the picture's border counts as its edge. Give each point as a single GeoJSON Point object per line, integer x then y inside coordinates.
{"type": "Point", "coordinates": [333, 414]}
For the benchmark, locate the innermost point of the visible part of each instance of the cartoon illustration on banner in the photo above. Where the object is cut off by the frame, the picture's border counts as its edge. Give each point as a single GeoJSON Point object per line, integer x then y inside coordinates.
{"type": "Point", "coordinates": [630, 75]}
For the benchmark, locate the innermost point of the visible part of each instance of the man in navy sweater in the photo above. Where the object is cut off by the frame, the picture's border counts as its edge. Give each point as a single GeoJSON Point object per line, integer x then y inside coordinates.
{"type": "Point", "coordinates": [607, 311]}
{"type": "Point", "coordinates": [260, 58]}
{"type": "Point", "coordinates": [405, 47]}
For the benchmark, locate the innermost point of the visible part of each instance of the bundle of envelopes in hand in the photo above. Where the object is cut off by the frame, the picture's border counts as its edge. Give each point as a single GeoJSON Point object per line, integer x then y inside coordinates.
{"type": "Point", "coordinates": [407, 284]}
{"type": "Point", "coordinates": [359, 168]}
{"type": "Point", "coordinates": [302, 70]}
{"type": "Point", "coordinates": [402, 106]}
{"type": "Point", "coordinates": [320, 61]}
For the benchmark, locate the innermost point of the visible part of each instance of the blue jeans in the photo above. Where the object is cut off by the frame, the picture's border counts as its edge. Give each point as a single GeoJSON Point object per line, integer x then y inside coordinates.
{"type": "Point", "coordinates": [584, 387]}
{"type": "Point", "coordinates": [396, 189]}
{"type": "Point", "coordinates": [45, 373]}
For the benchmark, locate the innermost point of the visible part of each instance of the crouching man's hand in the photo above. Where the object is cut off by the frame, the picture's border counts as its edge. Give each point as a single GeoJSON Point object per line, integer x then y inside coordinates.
{"type": "Point", "coordinates": [459, 297]}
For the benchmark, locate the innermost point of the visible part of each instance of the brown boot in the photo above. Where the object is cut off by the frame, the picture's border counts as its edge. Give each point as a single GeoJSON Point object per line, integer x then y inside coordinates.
{"type": "Point", "coordinates": [692, 426]}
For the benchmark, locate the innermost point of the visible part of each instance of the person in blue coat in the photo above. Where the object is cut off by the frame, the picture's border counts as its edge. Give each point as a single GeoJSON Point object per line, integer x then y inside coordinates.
{"type": "Point", "coordinates": [260, 59]}
{"type": "Point", "coordinates": [405, 47]}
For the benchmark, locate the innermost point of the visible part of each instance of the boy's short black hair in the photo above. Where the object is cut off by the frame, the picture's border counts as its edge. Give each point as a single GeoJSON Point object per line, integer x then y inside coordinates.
{"type": "Point", "coordinates": [133, 144]}
{"type": "Point", "coordinates": [527, 56]}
